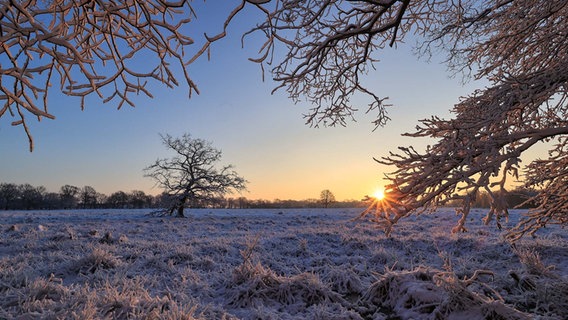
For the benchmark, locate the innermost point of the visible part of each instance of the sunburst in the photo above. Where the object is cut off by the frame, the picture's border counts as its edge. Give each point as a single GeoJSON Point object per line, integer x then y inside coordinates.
{"type": "Point", "coordinates": [379, 194]}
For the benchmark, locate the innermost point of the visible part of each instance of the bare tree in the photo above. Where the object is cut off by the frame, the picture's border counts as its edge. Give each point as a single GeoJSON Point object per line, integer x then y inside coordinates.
{"type": "Point", "coordinates": [68, 195]}
{"type": "Point", "coordinates": [9, 194]}
{"type": "Point", "coordinates": [31, 197]}
{"type": "Point", "coordinates": [139, 199]}
{"type": "Point", "coordinates": [88, 197]}
{"type": "Point", "coordinates": [327, 198]}
{"type": "Point", "coordinates": [118, 199]}
{"type": "Point", "coordinates": [191, 175]}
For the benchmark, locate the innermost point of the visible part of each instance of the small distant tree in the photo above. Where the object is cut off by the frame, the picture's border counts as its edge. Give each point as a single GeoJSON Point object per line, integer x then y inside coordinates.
{"type": "Point", "coordinates": [31, 197]}
{"type": "Point", "coordinates": [51, 200]}
{"type": "Point", "coordinates": [100, 199]}
{"type": "Point", "coordinates": [68, 195]}
{"type": "Point", "coordinates": [138, 199]}
{"type": "Point", "coordinates": [88, 197]}
{"type": "Point", "coordinates": [243, 202]}
{"type": "Point", "coordinates": [9, 194]}
{"type": "Point", "coordinates": [117, 199]}
{"type": "Point", "coordinates": [192, 174]}
{"type": "Point", "coordinates": [327, 198]}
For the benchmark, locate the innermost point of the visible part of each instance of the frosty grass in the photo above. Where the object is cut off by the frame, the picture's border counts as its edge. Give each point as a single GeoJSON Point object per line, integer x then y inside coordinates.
{"type": "Point", "coordinates": [274, 264]}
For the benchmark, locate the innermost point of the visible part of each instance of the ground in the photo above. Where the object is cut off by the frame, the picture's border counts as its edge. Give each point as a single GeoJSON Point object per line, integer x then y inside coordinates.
{"type": "Point", "coordinates": [274, 264]}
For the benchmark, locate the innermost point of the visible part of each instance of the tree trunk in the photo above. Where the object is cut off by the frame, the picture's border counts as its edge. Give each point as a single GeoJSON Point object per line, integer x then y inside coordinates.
{"type": "Point", "coordinates": [180, 207]}
{"type": "Point", "coordinates": [180, 211]}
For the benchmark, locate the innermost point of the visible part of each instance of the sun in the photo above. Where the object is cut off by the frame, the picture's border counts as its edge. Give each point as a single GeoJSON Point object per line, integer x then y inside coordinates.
{"type": "Point", "coordinates": [379, 194]}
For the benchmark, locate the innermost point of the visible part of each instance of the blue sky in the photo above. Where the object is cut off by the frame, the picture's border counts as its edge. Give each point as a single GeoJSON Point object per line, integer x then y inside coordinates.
{"type": "Point", "coordinates": [262, 135]}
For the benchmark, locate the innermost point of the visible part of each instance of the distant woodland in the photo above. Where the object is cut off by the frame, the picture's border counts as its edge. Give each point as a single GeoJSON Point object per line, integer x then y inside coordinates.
{"type": "Point", "coordinates": [27, 197]}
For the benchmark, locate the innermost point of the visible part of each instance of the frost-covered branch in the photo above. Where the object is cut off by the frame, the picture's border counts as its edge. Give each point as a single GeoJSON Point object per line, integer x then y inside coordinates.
{"type": "Point", "coordinates": [112, 49]}
{"type": "Point", "coordinates": [330, 45]}
{"type": "Point", "coordinates": [85, 47]}
{"type": "Point", "coordinates": [551, 177]}
{"type": "Point", "coordinates": [480, 148]}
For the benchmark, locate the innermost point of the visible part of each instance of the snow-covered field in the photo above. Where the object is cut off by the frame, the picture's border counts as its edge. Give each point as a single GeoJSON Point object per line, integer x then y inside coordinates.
{"type": "Point", "coordinates": [274, 264]}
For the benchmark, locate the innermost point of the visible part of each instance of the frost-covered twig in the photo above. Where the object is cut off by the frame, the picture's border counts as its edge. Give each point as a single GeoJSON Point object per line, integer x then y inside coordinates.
{"type": "Point", "coordinates": [84, 48]}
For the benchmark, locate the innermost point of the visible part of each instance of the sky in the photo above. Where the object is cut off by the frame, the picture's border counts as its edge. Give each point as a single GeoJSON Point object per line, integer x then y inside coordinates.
{"type": "Point", "coordinates": [263, 135]}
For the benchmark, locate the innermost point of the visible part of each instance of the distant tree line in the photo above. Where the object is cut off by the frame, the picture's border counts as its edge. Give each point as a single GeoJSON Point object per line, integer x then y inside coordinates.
{"type": "Point", "coordinates": [27, 197]}
{"type": "Point", "coordinates": [289, 204]}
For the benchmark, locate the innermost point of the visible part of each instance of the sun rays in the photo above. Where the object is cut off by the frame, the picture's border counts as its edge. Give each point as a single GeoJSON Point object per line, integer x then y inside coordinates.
{"type": "Point", "coordinates": [384, 208]}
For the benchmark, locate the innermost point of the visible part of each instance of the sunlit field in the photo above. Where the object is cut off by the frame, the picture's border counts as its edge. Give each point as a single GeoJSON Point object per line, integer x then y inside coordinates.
{"type": "Point", "coordinates": [274, 264]}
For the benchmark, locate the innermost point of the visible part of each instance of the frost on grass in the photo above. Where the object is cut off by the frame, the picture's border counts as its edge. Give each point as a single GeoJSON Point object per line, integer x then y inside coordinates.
{"type": "Point", "coordinates": [254, 285]}
{"type": "Point", "coordinates": [543, 289]}
{"type": "Point", "coordinates": [425, 293]}
{"type": "Point", "coordinates": [258, 264]}
{"type": "Point", "coordinates": [97, 259]}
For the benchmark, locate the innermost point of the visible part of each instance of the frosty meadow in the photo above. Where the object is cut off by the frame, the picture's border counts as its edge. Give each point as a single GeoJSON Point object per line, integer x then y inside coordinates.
{"type": "Point", "coordinates": [273, 264]}
{"type": "Point", "coordinates": [295, 264]}
{"type": "Point", "coordinates": [321, 53]}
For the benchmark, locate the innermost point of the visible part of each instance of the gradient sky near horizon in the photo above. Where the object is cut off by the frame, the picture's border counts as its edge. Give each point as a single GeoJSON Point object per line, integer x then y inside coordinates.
{"type": "Point", "coordinates": [262, 134]}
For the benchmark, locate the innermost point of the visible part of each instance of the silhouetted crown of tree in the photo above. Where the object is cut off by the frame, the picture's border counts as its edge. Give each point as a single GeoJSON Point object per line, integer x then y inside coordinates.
{"type": "Point", "coordinates": [191, 176]}
{"type": "Point", "coordinates": [326, 198]}
{"type": "Point", "coordinates": [520, 46]}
